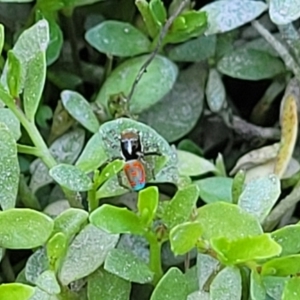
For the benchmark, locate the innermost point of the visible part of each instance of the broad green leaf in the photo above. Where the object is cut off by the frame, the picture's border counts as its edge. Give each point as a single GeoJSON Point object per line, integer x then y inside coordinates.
{"type": "Point", "coordinates": [191, 279]}
{"type": "Point", "coordinates": [110, 170]}
{"type": "Point", "coordinates": [71, 177]}
{"type": "Point", "coordinates": [8, 118]}
{"type": "Point", "coordinates": [14, 74]}
{"type": "Point", "coordinates": [250, 64]}
{"type": "Point", "coordinates": [289, 127]}
{"type": "Point", "coordinates": [155, 84]}
{"type": "Point", "coordinates": [260, 195]}
{"type": "Point", "coordinates": [257, 288]}
{"type": "Point", "coordinates": [151, 141]}
{"type": "Point", "coordinates": [190, 164]}
{"type": "Point", "coordinates": [56, 247]}
{"type": "Point", "coordinates": [36, 264]}
{"type": "Point", "coordinates": [215, 189]}
{"type": "Point", "coordinates": [80, 110]}
{"type": "Point", "coordinates": [116, 220]}
{"type": "Point", "coordinates": [227, 285]}
{"type": "Point", "coordinates": [16, 291]}
{"type": "Point", "coordinates": [194, 50]}
{"type": "Point", "coordinates": [147, 204]}
{"type": "Point", "coordinates": [282, 266]}
{"type": "Point", "coordinates": [30, 43]}
{"type": "Point", "coordinates": [198, 295]}
{"type": "Point", "coordinates": [75, 3]}
{"type": "Point", "coordinates": [292, 289]}
{"type": "Point", "coordinates": [173, 286]}
{"type": "Point", "coordinates": [65, 150]}
{"type": "Point", "coordinates": [111, 37]}
{"type": "Point", "coordinates": [22, 228]}
{"type": "Point", "coordinates": [106, 286]}
{"type": "Point", "coordinates": [178, 111]}
{"type": "Point", "coordinates": [1, 37]}
{"type": "Point", "coordinates": [34, 84]}
{"type": "Point", "coordinates": [206, 268]}
{"type": "Point", "coordinates": [189, 146]}
{"type": "Point", "coordinates": [86, 253]}
{"type": "Point", "coordinates": [215, 91]}
{"type": "Point", "coordinates": [70, 221]}
{"type": "Point", "coordinates": [284, 12]}
{"type": "Point", "coordinates": [93, 155]}
{"type": "Point", "coordinates": [245, 249]}
{"type": "Point", "coordinates": [237, 224]}
{"type": "Point", "coordinates": [10, 170]}
{"type": "Point", "coordinates": [274, 286]}
{"type": "Point", "coordinates": [184, 236]}
{"type": "Point", "coordinates": [181, 206]}
{"type": "Point", "coordinates": [47, 282]}
{"type": "Point", "coordinates": [226, 15]}
{"type": "Point", "coordinates": [288, 238]}
{"type": "Point", "coordinates": [127, 266]}
{"type": "Point", "coordinates": [41, 295]}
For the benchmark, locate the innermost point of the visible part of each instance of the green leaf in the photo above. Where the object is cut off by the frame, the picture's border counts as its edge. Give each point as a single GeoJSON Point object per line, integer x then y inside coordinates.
{"type": "Point", "coordinates": [71, 177]}
{"type": "Point", "coordinates": [86, 253]}
{"type": "Point", "coordinates": [177, 112]}
{"type": "Point", "coordinates": [43, 115]}
{"type": "Point", "coordinates": [1, 37]}
{"type": "Point", "coordinates": [147, 204]}
{"type": "Point", "coordinates": [149, 90]}
{"type": "Point", "coordinates": [47, 282]}
{"type": "Point", "coordinates": [189, 146]}
{"type": "Point", "coordinates": [127, 266]}
{"type": "Point", "coordinates": [237, 186]}
{"type": "Point", "coordinates": [288, 238]}
{"type": "Point", "coordinates": [110, 170]}
{"type": "Point", "coordinates": [9, 178]}
{"type": "Point", "coordinates": [227, 15]}
{"type": "Point", "coordinates": [250, 64]}
{"type": "Point", "coordinates": [190, 164]}
{"type": "Point", "coordinates": [274, 286]}
{"type": "Point", "coordinates": [158, 11]}
{"type": "Point", "coordinates": [36, 264]}
{"type": "Point", "coordinates": [173, 286]}
{"type": "Point", "coordinates": [257, 288]}
{"type": "Point", "coordinates": [237, 224]}
{"type": "Point", "coordinates": [282, 13]}
{"type": "Point", "coordinates": [70, 221]}
{"type": "Point", "coordinates": [116, 220]}
{"type": "Point", "coordinates": [56, 247]}
{"type": "Point", "coordinates": [282, 266]}
{"type": "Point", "coordinates": [22, 228]}
{"type": "Point", "coordinates": [180, 208]}
{"type": "Point", "coordinates": [292, 289]}
{"type": "Point", "coordinates": [215, 189]}
{"type": "Point", "coordinates": [65, 149]}
{"type": "Point", "coordinates": [245, 249]}
{"type": "Point", "coordinates": [111, 37]}
{"type": "Point", "coordinates": [194, 50]}
{"type": "Point", "coordinates": [16, 291]}
{"type": "Point", "coordinates": [34, 84]}
{"type": "Point", "coordinates": [206, 268]}
{"type": "Point", "coordinates": [215, 91]}
{"type": "Point", "coordinates": [8, 118]}
{"type": "Point", "coordinates": [80, 110]}
{"type": "Point", "coordinates": [93, 155]}
{"type": "Point", "coordinates": [260, 195]}
{"type": "Point", "coordinates": [183, 237]}
{"type": "Point", "coordinates": [14, 74]}
{"type": "Point", "coordinates": [227, 285]}
{"type": "Point", "coordinates": [198, 295]}
{"type": "Point", "coordinates": [106, 286]}
{"type": "Point", "coordinates": [30, 43]}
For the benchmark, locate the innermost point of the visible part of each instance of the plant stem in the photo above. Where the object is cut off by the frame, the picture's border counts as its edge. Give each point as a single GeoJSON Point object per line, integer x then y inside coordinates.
{"type": "Point", "coordinates": [92, 200]}
{"type": "Point", "coordinates": [155, 256]}
{"type": "Point", "coordinates": [24, 149]}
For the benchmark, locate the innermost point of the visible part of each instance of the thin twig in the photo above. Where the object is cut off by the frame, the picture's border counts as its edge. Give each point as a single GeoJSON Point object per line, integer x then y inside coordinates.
{"type": "Point", "coordinates": [162, 35]}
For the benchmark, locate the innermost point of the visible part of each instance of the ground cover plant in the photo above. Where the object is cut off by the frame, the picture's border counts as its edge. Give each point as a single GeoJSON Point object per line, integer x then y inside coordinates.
{"type": "Point", "coordinates": [149, 150]}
